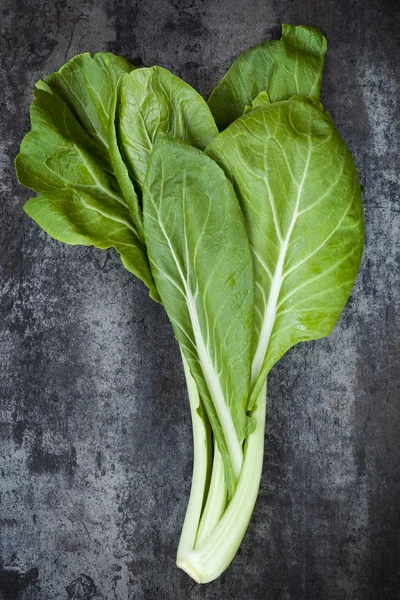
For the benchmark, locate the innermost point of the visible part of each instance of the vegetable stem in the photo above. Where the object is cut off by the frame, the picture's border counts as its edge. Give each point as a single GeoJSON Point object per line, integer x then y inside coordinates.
{"type": "Point", "coordinates": [213, 555]}
{"type": "Point", "coordinates": [200, 480]}
{"type": "Point", "coordinates": [216, 499]}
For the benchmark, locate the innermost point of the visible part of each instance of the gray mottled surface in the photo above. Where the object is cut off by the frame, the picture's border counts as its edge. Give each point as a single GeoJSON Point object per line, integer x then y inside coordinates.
{"type": "Point", "coordinates": [95, 438]}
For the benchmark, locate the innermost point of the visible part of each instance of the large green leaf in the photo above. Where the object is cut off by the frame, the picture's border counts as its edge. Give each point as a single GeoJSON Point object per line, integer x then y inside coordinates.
{"type": "Point", "coordinates": [201, 261]}
{"type": "Point", "coordinates": [299, 191]}
{"type": "Point", "coordinates": [152, 100]}
{"type": "Point", "coordinates": [65, 158]}
{"type": "Point", "coordinates": [282, 68]}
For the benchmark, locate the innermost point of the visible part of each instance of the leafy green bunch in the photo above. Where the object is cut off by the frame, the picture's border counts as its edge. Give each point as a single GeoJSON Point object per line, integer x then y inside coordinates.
{"type": "Point", "coordinates": [242, 215]}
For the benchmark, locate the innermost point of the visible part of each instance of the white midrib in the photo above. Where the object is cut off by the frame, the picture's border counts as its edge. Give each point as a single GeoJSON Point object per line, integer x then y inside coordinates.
{"type": "Point", "coordinates": [210, 375]}
{"type": "Point", "coordinates": [270, 312]}
{"type": "Point", "coordinates": [276, 284]}
{"type": "Point", "coordinates": [214, 386]}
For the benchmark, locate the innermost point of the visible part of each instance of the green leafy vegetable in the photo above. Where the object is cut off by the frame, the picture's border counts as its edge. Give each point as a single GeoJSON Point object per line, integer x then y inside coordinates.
{"type": "Point", "coordinates": [282, 68]}
{"type": "Point", "coordinates": [299, 191]}
{"type": "Point", "coordinates": [252, 245]}
{"type": "Point", "coordinates": [200, 257]}
{"type": "Point", "coordinates": [66, 159]}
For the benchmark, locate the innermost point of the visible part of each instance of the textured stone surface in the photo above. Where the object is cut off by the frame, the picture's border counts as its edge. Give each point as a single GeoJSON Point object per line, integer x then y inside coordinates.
{"type": "Point", "coordinates": [95, 438]}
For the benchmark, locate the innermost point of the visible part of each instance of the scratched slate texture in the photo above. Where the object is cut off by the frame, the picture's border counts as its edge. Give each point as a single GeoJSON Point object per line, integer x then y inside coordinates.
{"type": "Point", "coordinates": [95, 435]}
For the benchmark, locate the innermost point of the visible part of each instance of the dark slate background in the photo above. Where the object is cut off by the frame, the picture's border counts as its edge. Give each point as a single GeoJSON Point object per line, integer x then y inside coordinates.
{"type": "Point", "coordinates": [95, 435]}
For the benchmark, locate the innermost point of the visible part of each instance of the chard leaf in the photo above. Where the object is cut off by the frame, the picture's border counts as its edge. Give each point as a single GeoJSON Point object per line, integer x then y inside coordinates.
{"type": "Point", "coordinates": [201, 262]}
{"type": "Point", "coordinates": [152, 100]}
{"type": "Point", "coordinates": [282, 68]}
{"type": "Point", "coordinates": [65, 158]}
{"type": "Point", "coordinates": [298, 188]}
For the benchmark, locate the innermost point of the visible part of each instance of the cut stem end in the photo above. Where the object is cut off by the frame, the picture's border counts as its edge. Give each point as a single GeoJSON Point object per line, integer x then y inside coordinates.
{"type": "Point", "coordinates": [182, 564]}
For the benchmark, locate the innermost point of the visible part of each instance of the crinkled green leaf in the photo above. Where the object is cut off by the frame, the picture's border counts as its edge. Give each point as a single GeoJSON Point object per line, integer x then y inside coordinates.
{"type": "Point", "coordinates": [66, 158]}
{"type": "Point", "coordinates": [292, 65]}
{"type": "Point", "coordinates": [152, 100]}
{"type": "Point", "coordinates": [299, 190]}
{"type": "Point", "coordinates": [200, 257]}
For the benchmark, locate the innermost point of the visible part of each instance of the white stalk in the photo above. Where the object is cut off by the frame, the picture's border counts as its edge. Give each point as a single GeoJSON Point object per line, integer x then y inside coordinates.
{"type": "Point", "coordinates": [211, 557]}
{"type": "Point", "coordinates": [202, 454]}
{"type": "Point", "coordinates": [216, 499]}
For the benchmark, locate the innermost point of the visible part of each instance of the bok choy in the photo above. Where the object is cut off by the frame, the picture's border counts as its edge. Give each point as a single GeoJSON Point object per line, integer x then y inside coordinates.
{"type": "Point", "coordinates": [243, 216]}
